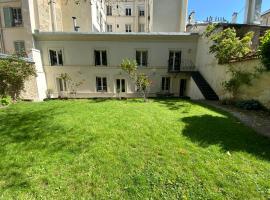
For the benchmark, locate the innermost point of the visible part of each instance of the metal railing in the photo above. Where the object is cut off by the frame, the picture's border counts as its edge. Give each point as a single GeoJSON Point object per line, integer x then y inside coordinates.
{"type": "Point", "coordinates": [186, 65]}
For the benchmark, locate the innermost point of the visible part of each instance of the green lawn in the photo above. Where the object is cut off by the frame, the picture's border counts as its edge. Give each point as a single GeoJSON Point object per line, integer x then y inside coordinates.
{"type": "Point", "coordinates": [109, 149]}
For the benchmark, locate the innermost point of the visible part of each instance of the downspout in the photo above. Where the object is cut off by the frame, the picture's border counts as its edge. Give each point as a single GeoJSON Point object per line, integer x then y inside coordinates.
{"type": "Point", "coordinates": [3, 48]}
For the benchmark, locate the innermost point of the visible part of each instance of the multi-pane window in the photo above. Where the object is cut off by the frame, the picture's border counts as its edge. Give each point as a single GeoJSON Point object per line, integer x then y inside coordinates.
{"type": "Point", "coordinates": [62, 84]}
{"type": "Point", "coordinates": [109, 10]}
{"type": "Point", "coordinates": [100, 57]}
{"type": "Point", "coordinates": [165, 84]}
{"type": "Point", "coordinates": [141, 28]}
{"type": "Point", "coordinates": [141, 12]}
{"type": "Point", "coordinates": [13, 17]}
{"type": "Point", "coordinates": [101, 84]}
{"type": "Point", "coordinates": [141, 58]}
{"type": "Point", "coordinates": [56, 57]}
{"type": "Point", "coordinates": [128, 28]}
{"type": "Point", "coordinates": [19, 47]}
{"type": "Point", "coordinates": [174, 60]}
{"type": "Point", "coordinates": [109, 28]}
{"type": "Point", "coordinates": [128, 12]}
{"type": "Point", "coordinates": [120, 85]}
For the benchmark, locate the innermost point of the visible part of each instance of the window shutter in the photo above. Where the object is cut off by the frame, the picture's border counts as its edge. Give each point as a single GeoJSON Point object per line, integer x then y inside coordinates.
{"type": "Point", "coordinates": [8, 17]}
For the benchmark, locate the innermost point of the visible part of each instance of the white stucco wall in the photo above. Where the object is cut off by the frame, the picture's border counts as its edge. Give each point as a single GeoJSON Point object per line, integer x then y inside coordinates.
{"type": "Point", "coordinates": [79, 62]}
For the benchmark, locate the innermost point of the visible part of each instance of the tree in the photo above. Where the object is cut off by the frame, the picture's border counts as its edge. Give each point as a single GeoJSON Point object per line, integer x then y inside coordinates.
{"type": "Point", "coordinates": [71, 84]}
{"type": "Point", "coordinates": [14, 71]}
{"type": "Point", "coordinates": [226, 45]}
{"type": "Point", "coordinates": [141, 80]}
{"type": "Point", "coordinates": [264, 50]}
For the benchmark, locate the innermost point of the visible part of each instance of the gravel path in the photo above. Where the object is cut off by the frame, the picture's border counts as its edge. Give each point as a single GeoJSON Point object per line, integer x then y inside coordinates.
{"type": "Point", "coordinates": [258, 120]}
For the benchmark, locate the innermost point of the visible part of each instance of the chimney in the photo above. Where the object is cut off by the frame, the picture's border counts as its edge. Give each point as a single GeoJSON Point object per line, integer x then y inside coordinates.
{"type": "Point", "coordinates": [253, 12]}
{"type": "Point", "coordinates": [234, 18]}
{"type": "Point", "coordinates": [76, 28]}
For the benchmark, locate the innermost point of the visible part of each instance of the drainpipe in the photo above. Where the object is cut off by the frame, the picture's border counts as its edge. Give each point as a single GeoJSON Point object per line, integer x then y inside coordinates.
{"type": "Point", "coordinates": [3, 48]}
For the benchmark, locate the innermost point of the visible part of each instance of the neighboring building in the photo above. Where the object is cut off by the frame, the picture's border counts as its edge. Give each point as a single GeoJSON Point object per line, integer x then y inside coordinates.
{"type": "Point", "coordinates": [146, 15]}
{"type": "Point", "coordinates": [265, 18]}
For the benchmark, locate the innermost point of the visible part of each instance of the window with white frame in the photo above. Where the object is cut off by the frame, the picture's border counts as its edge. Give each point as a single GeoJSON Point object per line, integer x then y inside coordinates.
{"type": "Point", "coordinates": [13, 17]}
{"type": "Point", "coordinates": [165, 84]}
{"type": "Point", "coordinates": [141, 12]}
{"type": "Point", "coordinates": [141, 28]}
{"type": "Point", "coordinates": [120, 85]}
{"type": "Point", "coordinates": [128, 28]}
{"type": "Point", "coordinates": [56, 57]}
{"type": "Point", "coordinates": [101, 84]}
{"type": "Point", "coordinates": [128, 12]}
{"type": "Point", "coordinates": [19, 47]}
{"type": "Point", "coordinates": [109, 10]}
{"type": "Point", "coordinates": [109, 28]}
{"type": "Point", "coordinates": [141, 57]}
{"type": "Point", "coordinates": [100, 57]}
{"type": "Point", "coordinates": [174, 60]}
{"type": "Point", "coordinates": [62, 84]}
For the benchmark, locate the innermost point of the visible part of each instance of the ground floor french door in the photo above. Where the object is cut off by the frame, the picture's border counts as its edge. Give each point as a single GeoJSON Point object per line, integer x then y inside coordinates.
{"type": "Point", "coordinates": [120, 86]}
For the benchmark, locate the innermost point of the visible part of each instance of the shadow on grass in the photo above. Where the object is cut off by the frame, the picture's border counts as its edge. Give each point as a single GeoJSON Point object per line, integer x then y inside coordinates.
{"type": "Point", "coordinates": [174, 104]}
{"type": "Point", "coordinates": [229, 134]}
{"type": "Point", "coordinates": [23, 132]}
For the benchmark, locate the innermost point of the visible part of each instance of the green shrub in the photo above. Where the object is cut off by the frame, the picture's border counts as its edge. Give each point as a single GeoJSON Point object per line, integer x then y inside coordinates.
{"type": "Point", "coordinates": [250, 105]}
{"type": "Point", "coordinates": [264, 50]}
{"type": "Point", "coordinates": [5, 101]}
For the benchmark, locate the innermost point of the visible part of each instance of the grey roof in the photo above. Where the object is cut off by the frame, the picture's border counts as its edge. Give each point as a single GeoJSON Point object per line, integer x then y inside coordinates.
{"type": "Point", "coordinates": [265, 12]}
{"type": "Point", "coordinates": [30, 60]}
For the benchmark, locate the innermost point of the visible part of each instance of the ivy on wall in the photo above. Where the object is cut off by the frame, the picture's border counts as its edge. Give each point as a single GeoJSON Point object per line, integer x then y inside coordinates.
{"type": "Point", "coordinates": [264, 50]}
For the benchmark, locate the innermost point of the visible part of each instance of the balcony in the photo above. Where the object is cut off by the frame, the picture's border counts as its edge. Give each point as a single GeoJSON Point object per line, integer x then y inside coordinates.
{"type": "Point", "coordinates": [186, 65]}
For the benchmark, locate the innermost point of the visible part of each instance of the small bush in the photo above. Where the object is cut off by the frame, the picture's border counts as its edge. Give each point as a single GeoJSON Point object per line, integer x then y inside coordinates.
{"type": "Point", "coordinates": [250, 105]}
{"type": "Point", "coordinates": [5, 101]}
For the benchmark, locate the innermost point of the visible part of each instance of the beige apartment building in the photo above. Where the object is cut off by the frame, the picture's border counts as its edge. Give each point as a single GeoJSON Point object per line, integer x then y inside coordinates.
{"type": "Point", "coordinates": [265, 18]}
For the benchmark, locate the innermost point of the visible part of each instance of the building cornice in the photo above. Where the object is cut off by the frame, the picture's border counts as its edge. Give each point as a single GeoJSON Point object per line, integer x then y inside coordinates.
{"type": "Point", "coordinates": [74, 36]}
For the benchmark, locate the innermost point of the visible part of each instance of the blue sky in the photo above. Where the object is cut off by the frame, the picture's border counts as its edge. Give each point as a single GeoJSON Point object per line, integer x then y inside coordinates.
{"type": "Point", "coordinates": [221, 8]}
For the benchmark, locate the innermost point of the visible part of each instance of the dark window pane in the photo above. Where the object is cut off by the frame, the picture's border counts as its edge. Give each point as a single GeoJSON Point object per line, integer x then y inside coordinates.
{"type": "Point", "coordinates": [98, 84]}
{"type": "Point", "coordinates": [144, 58]}
{"type": "Point", "coordinates": [60, 85]}
{"type": "Point", "coordinates": [53, 57]}
{"type": "Point", "coordinates": [60, 57]}
{"type": "Point", "coordinates": [105, 84]}
{"type": "Point", "coordinates": [118, 85]}
{"type": "Point", "coordinates": [104, 58]}
{"type": "Point", "coordinates": [138, 57]}
{"type": "Point", "coordinates": [168, 84]}
{"type": "Point", "coordinates": [177, 60]}
{"type": "Point", "coordinates": [163, 84]}
{"type": "Point", "coordinates": [123, 85]}
{"type": "Point", "coordinates": [97, 58]}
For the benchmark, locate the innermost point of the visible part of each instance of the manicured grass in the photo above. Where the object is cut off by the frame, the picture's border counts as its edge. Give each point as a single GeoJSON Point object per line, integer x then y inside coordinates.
{"type": "Point", "coordinates": [109, 149]}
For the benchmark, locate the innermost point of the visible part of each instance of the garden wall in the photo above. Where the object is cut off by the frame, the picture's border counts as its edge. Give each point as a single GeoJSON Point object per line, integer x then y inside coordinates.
{"type": "Point", "coordinates": [216, 74]}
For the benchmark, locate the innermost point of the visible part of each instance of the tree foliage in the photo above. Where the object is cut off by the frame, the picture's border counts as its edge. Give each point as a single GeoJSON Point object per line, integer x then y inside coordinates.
{"type": "Point", "coordinates": [14, 71]}
{"type": "Point", "coordinates": [226, 45]}
{"type": "Point", "coordinates": [141, 80]}
{"type": "Point", "coordinates": [264, 50]}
